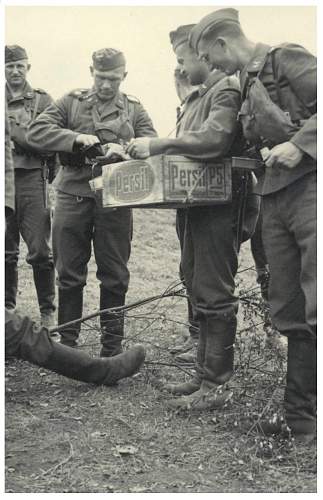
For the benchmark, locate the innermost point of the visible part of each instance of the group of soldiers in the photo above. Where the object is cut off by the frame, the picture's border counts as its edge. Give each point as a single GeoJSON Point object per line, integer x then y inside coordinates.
{"type": "Point", "coordinates": [236, 95]}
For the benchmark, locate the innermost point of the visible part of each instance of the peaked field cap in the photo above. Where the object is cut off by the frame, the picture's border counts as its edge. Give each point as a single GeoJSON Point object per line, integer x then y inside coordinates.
{"type": "Point", "coordinates": [14, 53]}
{"type": "Point", "coordinates": [216, 17]}
{"type": "Point", "coordinates": [180, 35]}
{"type": "Point", "coordinates": [106, 59]}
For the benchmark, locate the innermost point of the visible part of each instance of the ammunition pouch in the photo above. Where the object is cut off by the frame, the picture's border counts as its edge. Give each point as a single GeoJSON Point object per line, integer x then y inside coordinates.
{"type": "Point", "coordinates": [260, 117]}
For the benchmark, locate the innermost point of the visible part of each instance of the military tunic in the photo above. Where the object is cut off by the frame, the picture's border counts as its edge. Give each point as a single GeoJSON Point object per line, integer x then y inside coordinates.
{"type": "Point", "coordinates": [9, 171]}
{"type": "Point", "coordinates": [208, 129]}
{"type": "Point", "coordinates": [79, 217]}
{"type": "Point", "coordinates": [31, 219]}
{"type": "Point", "coordinates": [289, 195]}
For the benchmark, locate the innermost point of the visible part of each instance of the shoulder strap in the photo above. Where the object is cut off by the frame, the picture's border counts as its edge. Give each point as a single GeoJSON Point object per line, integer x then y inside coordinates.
{"type": "Point", "coordinates": [74, 110]}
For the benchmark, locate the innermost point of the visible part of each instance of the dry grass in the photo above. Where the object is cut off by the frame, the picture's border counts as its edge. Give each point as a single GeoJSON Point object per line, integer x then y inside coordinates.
{"type": "Point", "coordinates": [65, 436]}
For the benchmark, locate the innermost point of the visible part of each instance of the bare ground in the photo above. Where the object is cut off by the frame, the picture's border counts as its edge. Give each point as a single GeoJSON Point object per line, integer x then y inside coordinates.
{"type": "Point", "coordinates": [66, 436]}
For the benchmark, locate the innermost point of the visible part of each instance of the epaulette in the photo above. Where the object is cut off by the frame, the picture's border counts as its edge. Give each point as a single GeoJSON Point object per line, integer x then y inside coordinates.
{"type": "Point", "coordinates": [132, 98]}
{"type": "Point", "coordinates": [80, 94]}
{"type": "Point", "coordinates": [256, 64]}
{"type": "Point", "coordinates": [40, 91]}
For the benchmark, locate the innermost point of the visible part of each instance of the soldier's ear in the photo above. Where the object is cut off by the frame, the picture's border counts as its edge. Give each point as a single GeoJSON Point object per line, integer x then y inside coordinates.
{"type": "Point", "coordinates": [221, 42]}
{"type": "Point", "coordinates": [28, 67]}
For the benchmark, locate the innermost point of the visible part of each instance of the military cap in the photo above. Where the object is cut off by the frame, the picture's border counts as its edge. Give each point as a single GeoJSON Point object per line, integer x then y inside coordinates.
{"type": "Point", "coordinates": [107, 59]}
{"type": "Point", "coordinates": [180, 35]}
{"type": "Point", "coordinates": [215, 18]}
{"type": "Point", "coordinates": [14, 53]}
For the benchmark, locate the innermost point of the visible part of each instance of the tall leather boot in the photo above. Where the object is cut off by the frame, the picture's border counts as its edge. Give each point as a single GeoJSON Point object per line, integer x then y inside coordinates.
{"type": "Point", "coordinates": [11, 285]}
{"type": "Point", "coordinates": [301, 385]}
{"type": "Point", "coordinates": [300, 392]}
{"type": "Point", "coordinates": [193, 384]}
{"type": "Point", "coordinates": [217, 367]}
{"type": "Point", "coordinates": [187, 351]}
{"type": "Point", "coordinates": [26, 341]}
{"type": "Point", "coordinates": [112, 325]}
{"type": "Point", "coordinates": [44, 279]}
{"type": "Point", "coordinates": [70, 306]}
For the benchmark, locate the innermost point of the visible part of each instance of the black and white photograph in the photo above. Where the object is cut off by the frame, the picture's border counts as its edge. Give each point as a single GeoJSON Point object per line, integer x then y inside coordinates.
{"type": "Point", "coordinates": [159, 247]}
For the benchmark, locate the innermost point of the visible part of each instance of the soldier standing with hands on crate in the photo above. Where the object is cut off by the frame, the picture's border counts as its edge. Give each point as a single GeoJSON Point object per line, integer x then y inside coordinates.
{"type": "Point", "coordinates": [208, 130]}
{"type": "Point", "coordinates": [279, 111]}
{"type": "Point", "coordinates": [84, 119]}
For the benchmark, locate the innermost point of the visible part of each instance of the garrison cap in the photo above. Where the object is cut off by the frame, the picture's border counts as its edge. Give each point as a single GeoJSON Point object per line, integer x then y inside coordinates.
{"type": "Point", "coordinates": [180, 35]}
{"type": "Point", "coordinates": [107, 59]}
{"type": "Point", "coordinates": [14, 53]}
{"type": "Point", "coordinates": [215, 18]}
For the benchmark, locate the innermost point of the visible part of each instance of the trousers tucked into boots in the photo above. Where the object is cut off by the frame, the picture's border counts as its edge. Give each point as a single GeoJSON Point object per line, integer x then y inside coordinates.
{"type": "Point", "coordinates": [193, 384]}
{"type": "Point", "coordinates": [215, 368]}
{"type": "Point", "coordinates": [25, 341]}
{"type": "Point", "coordinates": [45, 286]}
{"type": "Point", "coordinates": [70, 306]}
{"type": "Point", "coordinates": [112, 325]}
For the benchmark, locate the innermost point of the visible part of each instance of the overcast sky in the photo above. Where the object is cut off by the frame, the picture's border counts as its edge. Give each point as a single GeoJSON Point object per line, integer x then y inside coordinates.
{"type": "Point", "coordinates": [60, 41]}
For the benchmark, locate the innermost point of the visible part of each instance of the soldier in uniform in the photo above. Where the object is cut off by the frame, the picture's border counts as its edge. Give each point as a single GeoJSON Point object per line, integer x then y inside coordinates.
{"type": "Point", "coordinates": [208, 130]}
{"type": "Point", "coordinates": [185, 351]}
{"type": "Point", "coordinates": [31, 219]}
{"type": "Point", "coordinates": [287, 91]}
{"type": "Point", "coordinates": [81, 119]}
{"type": "Point", "coordinates": [24, 340]}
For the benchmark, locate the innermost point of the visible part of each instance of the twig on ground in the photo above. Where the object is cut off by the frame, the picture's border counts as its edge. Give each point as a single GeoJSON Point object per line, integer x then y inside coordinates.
{"type": "Point", "coordinates": [63, 462]}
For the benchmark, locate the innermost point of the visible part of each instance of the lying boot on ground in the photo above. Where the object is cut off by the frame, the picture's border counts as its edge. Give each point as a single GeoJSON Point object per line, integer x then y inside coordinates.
{"type": "Point", "coordinates": [27, 342]}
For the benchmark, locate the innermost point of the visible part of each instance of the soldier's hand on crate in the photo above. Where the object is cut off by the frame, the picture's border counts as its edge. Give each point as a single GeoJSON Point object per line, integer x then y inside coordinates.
{"type": "Point", "coordinates": [139, 148]}
{"type": "Point", "coordinates": [114, 150]}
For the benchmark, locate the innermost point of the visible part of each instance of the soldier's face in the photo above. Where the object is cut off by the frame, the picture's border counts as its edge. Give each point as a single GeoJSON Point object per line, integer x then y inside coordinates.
{"type": "Point", "coordinates": [16, 72]}
{"type": "Point", "coordinates": [188, 64]}
{"type": "Point", "coordinates": [107, 83]}
{"type": "Point", "coordinates": [217, 54]}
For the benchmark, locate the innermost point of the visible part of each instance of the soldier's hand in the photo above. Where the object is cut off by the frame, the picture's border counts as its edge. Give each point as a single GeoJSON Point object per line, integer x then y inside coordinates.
{"type": "Point", "coordinates": [113, 150]}
{"type": "Point", "coordinates": [139, 148]}
{"type": "Point", "coordinates": [283, 155]}
{"type": "Point", "coordinates": [84, 140]}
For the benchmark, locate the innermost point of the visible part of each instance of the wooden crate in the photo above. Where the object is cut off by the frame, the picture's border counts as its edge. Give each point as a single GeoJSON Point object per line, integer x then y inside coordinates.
{"type": "Point", "coordinates": [164, 181]}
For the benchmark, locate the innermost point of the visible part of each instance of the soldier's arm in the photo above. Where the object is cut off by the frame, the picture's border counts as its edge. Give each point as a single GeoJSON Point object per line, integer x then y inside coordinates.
{"type": "Point", "coordinates": [143, 125]}
{"type": "Point", "coordinates": [299, 67]}
{"type": "Point", "coordinates": [18, 132]}
{"type": "Point", "coordinates": [216, 135]}
{"type": "Point", "coordinates": [50, 132]}
{"type": "Point", "coordinates": [9, 172]}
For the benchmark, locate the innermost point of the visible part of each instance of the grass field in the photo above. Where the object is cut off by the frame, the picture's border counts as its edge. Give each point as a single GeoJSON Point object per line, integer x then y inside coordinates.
{"type": "Point", "coordinates": [66, 436]}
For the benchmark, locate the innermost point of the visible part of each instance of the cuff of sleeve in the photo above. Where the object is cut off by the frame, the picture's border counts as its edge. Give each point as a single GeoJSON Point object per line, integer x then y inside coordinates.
{"type": "Point", "coordinates": [304, 146]}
